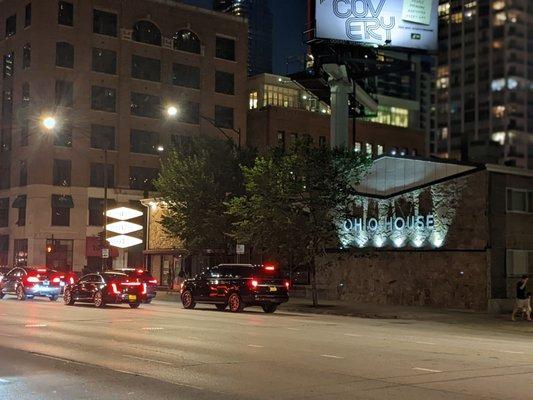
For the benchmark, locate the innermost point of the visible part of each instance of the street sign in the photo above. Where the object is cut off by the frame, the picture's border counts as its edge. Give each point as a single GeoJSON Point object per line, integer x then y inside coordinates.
{"type": "Point", "coordinates": [240, 249]}
{"type": "Point", "coordinates": [105, 253]}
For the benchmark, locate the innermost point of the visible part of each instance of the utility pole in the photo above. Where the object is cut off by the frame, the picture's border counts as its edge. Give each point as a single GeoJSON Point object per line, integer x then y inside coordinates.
{"type": "Point", "coordinates": [104, 260]}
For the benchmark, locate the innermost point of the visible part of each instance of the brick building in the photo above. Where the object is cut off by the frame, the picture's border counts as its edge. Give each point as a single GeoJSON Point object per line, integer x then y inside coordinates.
{"type": "Point", "coordinates": [106, 71]}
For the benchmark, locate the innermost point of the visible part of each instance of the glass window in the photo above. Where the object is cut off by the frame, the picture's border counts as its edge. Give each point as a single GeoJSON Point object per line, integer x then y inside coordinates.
{"type": "Point", "coordinates": [63, 136]}
{"type": "Point", "coordinates": [146, 32]}
{"type": "Point", "coordinates": [4, 212]}
{"type": "Point", "coordinates": [253, 100]}
{"type": "Point", "coordinates": [97, 178]}
{"type": "Point", "coordinates": [188, 41]}
{"type": "Point", "coordinates": [145, 68]}
{"type": "Point", "coordinates": [517, 200]}
{"type": "Point", "coordinates": [7, 102]}
{"type": "Point", "coordinates": [27, 16]}
{"type": "Point", "coordinates": [20, 253]}
{"type": "Point", "coordinates": [225, 48]}
{"type": "Point", "coordinates": [5, 174]}
{"type": "Point", "coordinates": [224, 82]}
{"type": "Point", "coordinates": [519, 262]}
{"type": "Point", "coordinates": [103, 99]}
{"type": "Point", "coordinates": [322, 141]}
{"type": "Point", "coordinates": [182, 143]}
{"type": "Point", "coordinates": [144, 142]}
{"type": "Point", "coordinates": [60, 216]}
{"type": "Point", "coordinates": [145, 105]}
{"type": "Point", "coordinates": [189, 113]}
{"type": "Point", "coordinates": [142, 178]}
{"type": "Point", "coordinates": [4, 247]}
{"type": "Point", "coordinates": [9, 64]}
{"type": "Point", "coordinates": [5, 138]}
{"type": "Point", "coordinates": [368, 149]}
{"type": "Point", "coordinates": [64, 93]}
{"type": "Point", "coordinates": [61, 173]}
{"type": "Point", "coordinates": [24, 133]}
{"type": "Point", "coordinates": [26, 56]}
{"type": "Point", "coordinates": [379, 149]}
{"type": "Point", "coordinates": [11, 25]}
{"type": "Point", "coordinates": [64, 55]}
{"type": "Point", "coordinates": [105, 23]}
{"type": "Point", "coordinates": [23, 173]}
{"type": "Point", "coordinates": [102, 137]}
{"type": "Point", "coordinates": [186, 75]}
{"type": "Point", "coordinates": [281, 139]}
{"type": "Point", "coordinates": [104, 61]}
{"type": "Point", "coordinates": [224, 117]}
{"type": "Point", "coordinates": [96, 210]}
{"type": "Point", "coordinates": [65, 15]}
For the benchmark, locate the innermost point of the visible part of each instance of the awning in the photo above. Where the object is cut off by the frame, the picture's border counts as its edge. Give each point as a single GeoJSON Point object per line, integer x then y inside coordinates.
{"type": "Point", "coordinates": [98, 204]}
{"type": "Point", "coordinates": [4, 203]}
{"type": "Point", "coordinates": [20, 202]}
{"type": "Point", "coordinates": [62, 201]}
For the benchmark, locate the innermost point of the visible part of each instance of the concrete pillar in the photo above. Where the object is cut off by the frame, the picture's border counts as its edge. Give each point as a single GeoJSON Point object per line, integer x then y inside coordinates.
{"type": "Point", "coordinates": [340, 90]}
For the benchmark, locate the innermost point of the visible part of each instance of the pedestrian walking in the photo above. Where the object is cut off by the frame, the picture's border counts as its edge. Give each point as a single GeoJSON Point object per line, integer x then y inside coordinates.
{"type": "Point", "coordinates": [523, 299]}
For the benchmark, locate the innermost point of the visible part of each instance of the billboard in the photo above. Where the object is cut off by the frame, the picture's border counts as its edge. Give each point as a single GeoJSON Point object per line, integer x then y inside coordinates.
{"type": "Point", "coordinates": [409, 24]}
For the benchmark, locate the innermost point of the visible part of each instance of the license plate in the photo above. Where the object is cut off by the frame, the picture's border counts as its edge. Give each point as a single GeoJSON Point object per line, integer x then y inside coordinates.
{"type": "Point", "coordinates": [132, 297]}
{"type": "Point", "coordinates": [273, 289]}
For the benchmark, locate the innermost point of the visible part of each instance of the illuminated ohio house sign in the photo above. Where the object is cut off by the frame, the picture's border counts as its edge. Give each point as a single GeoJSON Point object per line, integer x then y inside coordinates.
{"type": "Point", "coordinates": [402, 204]}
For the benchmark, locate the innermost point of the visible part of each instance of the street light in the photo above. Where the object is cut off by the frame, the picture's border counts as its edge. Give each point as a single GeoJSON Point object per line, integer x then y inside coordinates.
{"type": "Point", "coordinates": [172, 111]}
{"type": "Point", "coordinates": [49, 123]}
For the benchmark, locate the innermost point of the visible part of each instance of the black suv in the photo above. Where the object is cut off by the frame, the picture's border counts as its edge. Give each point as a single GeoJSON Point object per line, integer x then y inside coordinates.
{"type": "Point", "coordinates": [237, 286]}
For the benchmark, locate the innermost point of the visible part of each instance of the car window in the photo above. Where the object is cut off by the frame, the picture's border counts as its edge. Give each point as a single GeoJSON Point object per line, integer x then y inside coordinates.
{"type": "Point", "coordinates": [19, 272]}
{"type": "Point", "coordinates": [236, 272]}
{"type": "Point", "coordinates": [214, 272]}
{"type": "Point", "coordinates": [85, 279]}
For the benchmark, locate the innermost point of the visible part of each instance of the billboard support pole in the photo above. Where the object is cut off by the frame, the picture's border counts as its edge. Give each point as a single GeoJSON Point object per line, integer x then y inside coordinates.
{"type": "Point", "coordinates": [340, 88]}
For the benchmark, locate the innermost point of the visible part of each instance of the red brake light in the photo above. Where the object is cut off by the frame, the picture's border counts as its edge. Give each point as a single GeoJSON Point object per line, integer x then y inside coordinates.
{"type": "Point", "coordinates": [71, 280]}
{"type": "Point", "coordinates": [41, 270]}
{"type": "Point", "coordinates": [131, 283]}
{"type": "Point", "coordinates": [114, 287]}
{"type": "Point", "coordinates": [140, 271]}
{"type": "Point", "coordinates": [32, 279]}
{"type": "Point", "coordinates": [270, 268]}
{"type": "Point", "coordinates": [254, 283]}
{"type": "Point", "coordinates": [287, 284]}
{"type": "Point", "coordinates": [56, 280]}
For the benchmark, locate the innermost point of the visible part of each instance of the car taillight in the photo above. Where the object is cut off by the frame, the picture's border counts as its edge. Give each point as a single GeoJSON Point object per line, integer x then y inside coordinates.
{"type": "Point", "coordinates": [71, 280]}
{"type": "Point", "coordinates": [254, 283]}
{"type": "Point", "coordinates": [270, 268]}
{"type": "Point", "coordinates": [131, 283]}
{"type": "Point", "coordinates": [56, 280]}
{"type": "Point", "coordinates": [154, 281]}
{"type": "Point", "coordinates": [114, 287]}
{"type": "Point", "coordinates": [41, 270]}
{"type": "Point", "coordinates": [287, 284]}
{"type": "Point", "coordinates": [144, 288]}
{"type": "Point", "coordinates": [32, 279]}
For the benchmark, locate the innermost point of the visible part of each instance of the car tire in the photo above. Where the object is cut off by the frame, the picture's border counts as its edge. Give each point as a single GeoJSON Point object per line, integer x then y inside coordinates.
{"type": "Point", "coordinates": [235, 303]}
{"type": "Point", "coordinates": [135, 305]}
{"type": "Point", "coordinates": [54, 298]}
{"type": "Point", "coordinates": [187, 300]}
{"type": "Point", "coordinates": [21, 295]}
{"type": "Point", "coordinates": [269, 308]}
{"type": "Point", "coordinates": [147, 301]}
{"type": "Point", "coordinates": [68, 298]}
{"type": "Point", "coordinates": [99, 300]}
{"type": "Point", "coordinates": [221, 307]}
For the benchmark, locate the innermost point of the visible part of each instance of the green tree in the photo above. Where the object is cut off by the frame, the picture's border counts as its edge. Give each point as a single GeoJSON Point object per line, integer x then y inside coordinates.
{"type": "Point", "coordinates": [196, 180]}
{"type": "Point", "coordinates": [295, 201]}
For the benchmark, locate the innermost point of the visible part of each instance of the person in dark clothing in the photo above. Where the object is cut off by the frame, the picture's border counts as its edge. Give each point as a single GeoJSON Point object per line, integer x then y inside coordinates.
{"type": "Point", "coordinates": [523, 299]}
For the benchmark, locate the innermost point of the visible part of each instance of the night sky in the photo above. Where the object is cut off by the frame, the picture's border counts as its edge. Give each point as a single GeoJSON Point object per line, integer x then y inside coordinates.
{"type": "Point", "coordinates": [289, 24]}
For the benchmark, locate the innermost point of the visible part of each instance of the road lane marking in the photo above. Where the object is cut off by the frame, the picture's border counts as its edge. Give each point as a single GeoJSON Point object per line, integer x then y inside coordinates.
{"type": "Point", "coordinates": [510, 352]}
{"type": "Point", "coordinates": [152, 329]}
{"type": "Point", "coordinates": [331, 356]}
{"type": "Point", "coordinates": [257, 346]}
{"type": "Point", "coordinates": [35, 326]}
{"type": "Point", "coordinates": [353, 335]}
{"type": "Point", "coordinates": [147, 359]}
{"type": "Point", "coordinates": [426, 370]}
{"type": "Point", "coordinates": [428, 343]}
{"type": "Point", "coordinates": [294, 329]}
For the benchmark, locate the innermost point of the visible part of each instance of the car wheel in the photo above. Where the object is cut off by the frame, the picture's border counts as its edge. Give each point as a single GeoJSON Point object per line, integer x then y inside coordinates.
{"type": "Point", "coordinates": [235, 303]}
{"type": "Point", "coordinates": [135, 305]}
{"type": "Point", "coordinates": [220, 307]}
{"type": "Point", "coordinates": [187, 300]}
{"type": "Point", "coordinates": [68, 298]}
{"type": "Point", "coordinates": [147, 301]}
{"type": "Point", "coordinates": [99, 300]}
{"type": "Point", "coordinates": [269, 308]}
{"type": "Point", "coordinates": [53, 298]}
{"type": "Point", "coordinates": [21, 295]}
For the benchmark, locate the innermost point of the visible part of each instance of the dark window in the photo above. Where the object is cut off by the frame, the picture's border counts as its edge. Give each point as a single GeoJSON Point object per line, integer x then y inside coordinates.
{"type": "Point", "coordinates": [104, 61]}
{"type": "Point", "coordinates": [64, 93]}
{"type": "Point", "coordinates": [24, 133]}
{"type": "Point", "coordinates": [5, 174]}
{"type": "Point", "coordinates": [225, 48]}
{"type": "Point", "coordinates": [65, 15]}
{"type": "Point", "coordinates": [61, 206]}
{"type": "Point", "coordinates": [27, 17]}
{"type": "Point", "coordinates": [98, 178]}
{"type": "Point", "coordinates": [146, 68]}
{"type": "Point", "coordinates": [11, 25]}
{"type": "Point", "coordinates": [61, 173]}
{"type": "Point", "coordinates": [145, 105]}
{"type": "Point", "coordinates": [23, 173]}
{"type": "Point", "coordinates": [224, 117]}
{"type": "Point", "coordinates": [103, 99]}
{"type": "Point", "coordinates": [142, 178]}
{"type": "Point", "coordinates": [322, 141]}
{"type": "Point", "coordinates": [182, 143]}
{"type": "Point", "coordinates": [5, 137]}
{"type": "Point", "coordinates": [25, 94]}
{"type": "Point", "coordinates": [4, 212]}
{"type": "Point", "coordinates": [189, 112]}
{"type": "Point", "coordinates": [9, 64]}
{"type": "Point", "coordinates": [26, 56]}
{"type": "Point", "coordinates": [186, 40]}
{"type": "Point", "coordinates": [146, 32]}
{"type": "Point", "coordinates": [7, 102]}
{"type": "Point", "coordinates": [102, 137]}
{"type": "Point", "coordinates": [186, 75]}
{"type": "Point", "coordinates": [4, 248]}
{"type": "Point", "coordinates": [20, 204]}
{"type": "Point", "coordinates": [143, 141]}
{"type": "Point", "coordinates": [63, 136]}
{"type": "Point", "coordinates": [224, 82]}
{"type": "Point", "coordinates": [105, 23]}
{"type": "Point", "coordinates": [64, 55]}
{"type": "Point", "coordinates": [281, 139]}
{"type": "Point", "coordinates": [96, 211]}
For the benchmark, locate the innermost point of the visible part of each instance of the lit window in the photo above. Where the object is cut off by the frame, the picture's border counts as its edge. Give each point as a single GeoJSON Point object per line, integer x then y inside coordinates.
{"type": "Point", "coordinates": [379, 149]}
{"type": "Point", "coordinates": [368, 149]}
{"type": "Point", "coordinates": [499, 19]}
{"type": "Point", "coordinates": [443, 83]}
{"type": "Point", "coordinates": [253, 100]}
{"type": "Point", "coordinates": [444, 9]}
{"type": "Point", "coordinates": [498, 5]}
{"type": "Point", "coordinates": [457, 18]}
{"type": "Point", "coordinates": [357, 147]}
{"type": "Point", "coordinates": [499, 137]}
{"type": "Point", "coordinates": [497, 84]}
{"type": "Point", "coordinates": [498, 111]}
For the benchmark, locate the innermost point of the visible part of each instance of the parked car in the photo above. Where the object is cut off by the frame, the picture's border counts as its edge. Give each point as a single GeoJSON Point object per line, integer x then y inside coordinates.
{"type": "Point", "coordinates": [108, 287]}
{"type": "Point", "coordinates": [146, 277]}
{"type": "Point", "coordinates": [65, 278]}
{"type": "Point", "coordinates": [237, 286]}
{"type": "Point", "coordinates": [27, 283]}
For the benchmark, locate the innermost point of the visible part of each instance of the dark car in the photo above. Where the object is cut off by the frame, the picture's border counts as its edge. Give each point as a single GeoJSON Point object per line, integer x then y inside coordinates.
{"type": "Point", "coordinates": [105, 288]}
{"type": "Point", "coordinates": [65, 278]}
{"type": "Point", "coordinates": [27, 283]}
{"type": "Point", "coordinates": [237, 286]}
{"type": "Point", "coordinates": [143, 276]}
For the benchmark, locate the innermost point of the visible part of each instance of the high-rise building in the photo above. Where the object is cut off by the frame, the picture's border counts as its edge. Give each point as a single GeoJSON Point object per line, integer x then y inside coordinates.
{"type": "Point", "coordinates": [484, 81]}
{"type": "Point", "coordinates": [260, 28]}
{"type": "Point", "coordinates": [105, 73]}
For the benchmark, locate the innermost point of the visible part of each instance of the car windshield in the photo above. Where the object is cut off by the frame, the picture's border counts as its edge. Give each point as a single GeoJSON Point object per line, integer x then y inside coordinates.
{"type": "Point", "coordinates": [114, 275]}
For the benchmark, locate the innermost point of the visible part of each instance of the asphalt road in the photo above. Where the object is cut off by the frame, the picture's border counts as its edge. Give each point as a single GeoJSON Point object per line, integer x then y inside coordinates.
{"type": "Point", "coordinates": [160, 351]}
